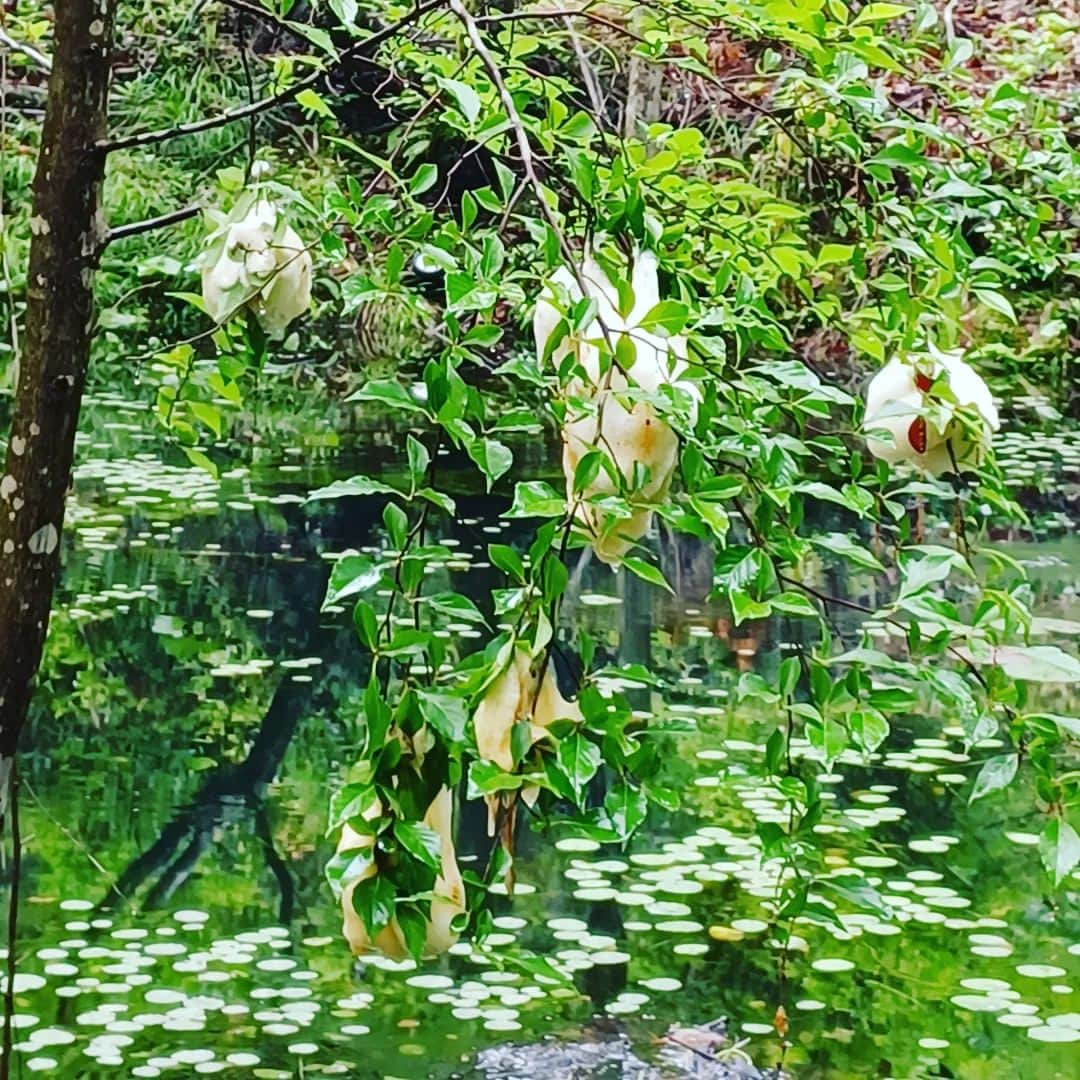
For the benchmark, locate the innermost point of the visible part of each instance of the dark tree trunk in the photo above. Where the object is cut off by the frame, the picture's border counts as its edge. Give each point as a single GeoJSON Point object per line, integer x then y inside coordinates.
{"type": "Point", "coordinates": [68, 231]}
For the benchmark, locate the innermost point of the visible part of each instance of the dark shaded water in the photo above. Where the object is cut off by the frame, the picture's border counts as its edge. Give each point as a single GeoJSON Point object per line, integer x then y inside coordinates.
{"type": "Point", "coordinates": [197, 710]}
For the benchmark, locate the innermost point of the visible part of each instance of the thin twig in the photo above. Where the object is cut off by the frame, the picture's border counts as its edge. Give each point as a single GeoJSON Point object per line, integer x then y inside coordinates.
{"type": "Point", "coordinates": [520, 134]}
{"type": "Point", "coordinates": [565, 13]}
{"type": "Point", "coordinates": [39, 59]}
{"type": "Point", "coordinates": [71, 837]}
{"type": "Point", "coordinates": [162, 221]}
{"type": "Point", "coordinates": [282, 97]}
{"type": "Point", "coordinates": [588, 76]}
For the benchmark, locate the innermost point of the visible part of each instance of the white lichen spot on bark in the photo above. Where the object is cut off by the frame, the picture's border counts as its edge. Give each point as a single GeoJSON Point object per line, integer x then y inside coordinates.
{"type": "Point", "coordinates": [18, 445]}
{"type": "Point", "coordinates": [8, 486]}
{"type": "Point", "coordinates": [9, 547]}
{"type": "Point", "coordinates": [44, 541]}
{"type": "Point", "coordinates": [97, 28]}
{"type": "Point", "coordinates": [34, 429]}
{"type": "Point", "coordinates": [39, 226]}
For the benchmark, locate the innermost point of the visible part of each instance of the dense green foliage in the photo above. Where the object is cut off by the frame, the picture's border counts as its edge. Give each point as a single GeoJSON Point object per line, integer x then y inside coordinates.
{"type": "Point", "coordinates": [825, 186]}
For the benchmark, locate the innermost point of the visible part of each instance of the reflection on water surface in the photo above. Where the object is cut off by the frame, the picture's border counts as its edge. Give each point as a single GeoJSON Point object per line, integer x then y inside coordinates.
{"type": "Point", "coordinates": [197, 708]}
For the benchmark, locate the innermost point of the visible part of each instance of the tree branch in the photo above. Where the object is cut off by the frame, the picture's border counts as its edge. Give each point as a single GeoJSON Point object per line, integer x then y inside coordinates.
{"type": "Point", "coordinates": [245, 7]}
{"type": "Point", "coordinates": [162, 221]}
{"type": "Point", "coordinates": [241, 112]}
{"type": "Point", "coordinates": [562, 13]}
{"type": "Point", "coordinates": [521, 136]}
{"type": "Point", "coordinates": [39, 59]}
{"type": "Point", "coordinates": [627, 32]}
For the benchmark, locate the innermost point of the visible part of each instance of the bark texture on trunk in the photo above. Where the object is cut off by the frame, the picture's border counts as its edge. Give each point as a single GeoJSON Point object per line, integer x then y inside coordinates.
{"type": "Point", "coordinates": [67, 232]}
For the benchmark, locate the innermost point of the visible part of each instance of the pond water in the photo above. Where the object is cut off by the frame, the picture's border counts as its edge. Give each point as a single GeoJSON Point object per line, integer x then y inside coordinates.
{"type": "Point", "coordinates": [196, 710]}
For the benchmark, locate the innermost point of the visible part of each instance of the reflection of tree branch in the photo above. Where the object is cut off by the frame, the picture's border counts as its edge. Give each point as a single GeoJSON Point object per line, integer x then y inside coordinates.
{"type": "Point", "coordinates": [286, 885]}
{"type": "Point", "coordinates": [180, 870]}
{"type": "Point", "coordinates": [230, 788]}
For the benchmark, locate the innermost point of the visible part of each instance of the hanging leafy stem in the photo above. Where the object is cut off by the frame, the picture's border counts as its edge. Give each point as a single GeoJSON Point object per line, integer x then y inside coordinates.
{"type": "Point", "coordinates": [676, 269]}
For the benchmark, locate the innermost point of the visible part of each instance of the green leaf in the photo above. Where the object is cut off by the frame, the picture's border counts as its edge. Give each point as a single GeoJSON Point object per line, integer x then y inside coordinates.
{"type": "Point", "coordinates": [647, 572]}
{"type": "Point", "coordinates": [851, 496]}
{"type": "Point", "coordinates": [920, 574]}
{"type": "Point", "coordinates": [445, 713]}
{"type": "Point", "coordinates": [880, 12]}
{"type": "Point", "coordinates": [389, 393]}
{"type": "Point", "coordinates": [507, 560]}
{"type": "Point", "coordinates": [996, 773]}
{"type": "Point", "coordinates": [423, 179]}
{"type": "Point", "coordinates": [587, 469]}
{"type": "Point", "coordinates": [535, 498]}
{"type": "Point", "coordinates": [438, 498]}
{"type": "Point", "coordinates": [713, 514]}
{"type": "Point", "coordinates": [407, 642]}
{"type": "Point", "coordinates": [828, 738]}
{"type": "Point", "coordinates": [898, 155]}
{"type": "Point", "coordinates": [857, 891]}
{"type": "Point", "coordinates": [869, 727]}
{"type": "Point", "coordinates": [210, 415]}
{"type": "Point", "coordinates": [1069, 724]}
{"type": "Point", "coordinates": [1037, 663]}
{"type": "Point", "coordinates": [466, 98]}
{"type": "Point", "coordinates": [397, 524]}
{"type": "Point", "coordinates": [454, 606]}
{"type": "Point", "coordinates": [351, 575]}
{"type": "Point", "coordinates": [355, 485]}
{"type": "Point", "coordinates": [794, 603]}
{"type": "Point", "coordinates": [419, 459]}
{"type": "Point", "coordinates": [485, 778]}
{"type": "Point", "coordinates": [670, 316]}
{"type": "Point", "coordinates": [413, 924]}
{"type": "Point", "coordinates": [493, 457]}
{"type": "Point", "coordinates": [1060, 849]}
{"type": "Point", "coordinates": [483, 336]}
{"type": "Point", "coordinates": [744, 606]}
{"type": "Point", "coordinates": [200, 460]}
{"type": "Point", "coordinates": [580, 759]}
{"type": "Point", "coordinates": [345, 867]}
{"type": "Point", "coordinates": [834, 253]}
{"type": "Point", "coordinates": [367, 626]}
{"type": "Point", "coordinates": [420, 841]}
{"type": "Point", "coordinates": [996, 302]}
{"type": "Point", "coordinates": [349, 802]}
{"type": "Point", "coordinates": [310, 101]}
{"type": "Point", "coordinates": [626, 807]}
{"type": "Point", "coordinates": [373, 900]}
{"type": "Point", "coordinates": [850, 550]}
{"type": "Point", "coordinates": [345, 10]}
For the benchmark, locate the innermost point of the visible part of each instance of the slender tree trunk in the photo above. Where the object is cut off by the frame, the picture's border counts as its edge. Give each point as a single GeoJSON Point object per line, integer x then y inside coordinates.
{"type": "Point", "coordinates": [644, 91]}
{"type": "Point", "coordinates": [68, 230]}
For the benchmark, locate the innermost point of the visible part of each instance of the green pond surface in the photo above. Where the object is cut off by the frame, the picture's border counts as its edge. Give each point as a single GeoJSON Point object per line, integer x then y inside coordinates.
{"type": "Point", "coordinates": [196, 710]}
